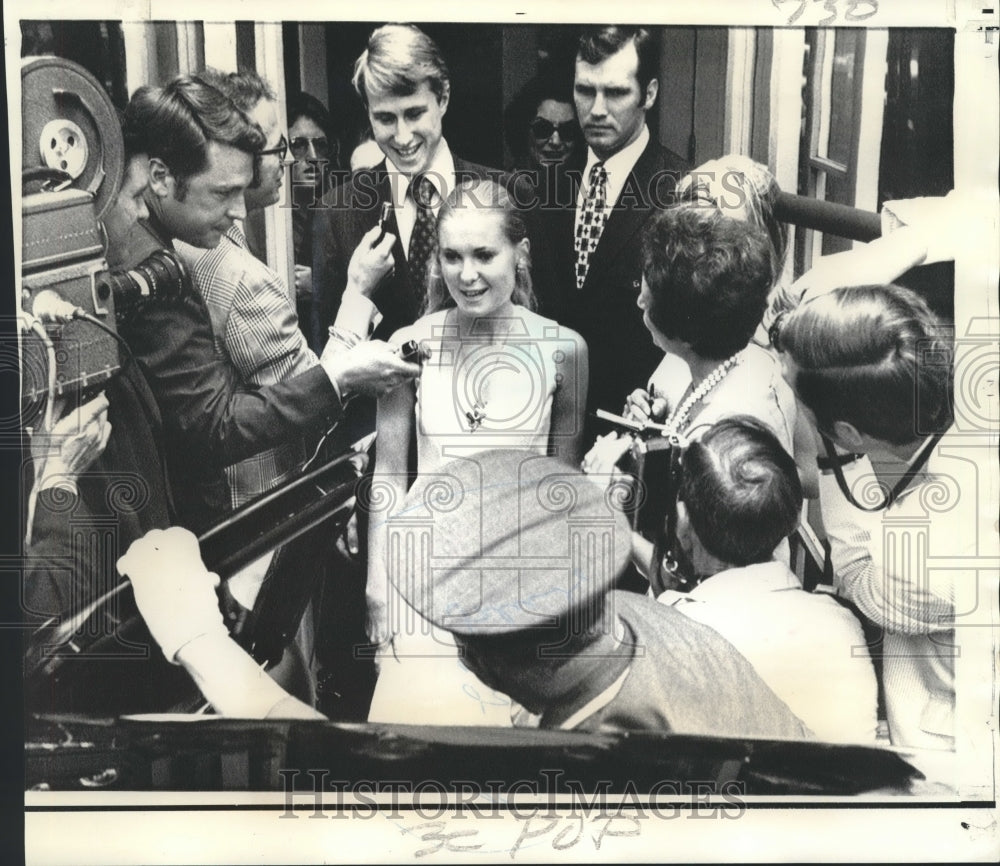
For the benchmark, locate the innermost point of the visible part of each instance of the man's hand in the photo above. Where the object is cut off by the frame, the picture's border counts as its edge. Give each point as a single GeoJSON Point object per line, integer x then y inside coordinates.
{"type": "Point", "coordinates": [371, 261]}
{"type": "Point", "coordinates": [174, 591]}
{"type": "Point", "coordinates": [372, 368]}
{"type": "Point", "coordinates": [303, 281]}
{"type": "Point", "coordinates": [73, 443]}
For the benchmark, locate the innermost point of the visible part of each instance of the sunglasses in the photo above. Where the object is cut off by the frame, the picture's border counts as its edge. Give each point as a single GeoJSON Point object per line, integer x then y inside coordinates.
{"type": "Point", "coordinates": [542, 129]}
{"type": "Point", "coordinates": [300, 147]}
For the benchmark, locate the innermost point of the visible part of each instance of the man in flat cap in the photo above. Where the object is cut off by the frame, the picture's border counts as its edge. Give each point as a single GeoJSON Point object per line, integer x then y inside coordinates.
{"type": "Point", "coordinates": [522, 557]}
{"type": "Point", "coordinates": [521, 573]}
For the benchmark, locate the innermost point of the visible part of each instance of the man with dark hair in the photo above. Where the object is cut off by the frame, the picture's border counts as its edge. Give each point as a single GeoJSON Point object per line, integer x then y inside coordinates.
{"type": "Point", "coordinates": [201, 150]}
{"type": "Point", "coordinates": [628, 174]}
{"type": "Point", "coordinates": [740, 491]}
{"type": "Point", "coordinates": [254, 323]}
{"type": "Point", "coordinates": [201, 156]}
{"type": "Point", "coordinates": [873, 366]}
{"type": "Point", "coordinates": [256, 331]}
{"type": "Point", "coordinates": [739, 498]}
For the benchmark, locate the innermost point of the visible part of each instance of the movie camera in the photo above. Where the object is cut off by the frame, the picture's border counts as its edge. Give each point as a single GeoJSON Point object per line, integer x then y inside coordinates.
{"type": "Point", "coordinates": [72, 165]}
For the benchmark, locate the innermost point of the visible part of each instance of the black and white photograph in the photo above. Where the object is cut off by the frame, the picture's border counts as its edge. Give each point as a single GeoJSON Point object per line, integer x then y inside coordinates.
{"type": "Point", "coordinates": [491, 434]}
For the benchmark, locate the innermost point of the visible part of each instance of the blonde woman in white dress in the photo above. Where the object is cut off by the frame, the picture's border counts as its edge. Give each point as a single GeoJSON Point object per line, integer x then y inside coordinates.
{"type": "Point", "coordinates": [495, 375]}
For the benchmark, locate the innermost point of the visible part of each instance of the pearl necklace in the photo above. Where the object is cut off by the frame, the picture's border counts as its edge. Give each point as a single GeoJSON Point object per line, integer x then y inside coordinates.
{"type": "Point", "coordinates": [678, 418]}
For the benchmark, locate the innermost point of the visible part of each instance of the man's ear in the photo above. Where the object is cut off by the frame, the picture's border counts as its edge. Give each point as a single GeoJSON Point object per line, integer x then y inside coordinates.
{"type": "Point", "coordinates": [445, 96]}
{"type": "Point", "coordinates": [652, 91]}
{"type": "Point", "coordinates": [161, 181]}
{"type": "Point", "coordinates": [848, 436]}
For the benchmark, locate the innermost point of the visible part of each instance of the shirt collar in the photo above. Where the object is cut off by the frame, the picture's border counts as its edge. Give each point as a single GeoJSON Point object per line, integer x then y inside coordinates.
{"type": "Point", "coordinates": [237, 235]}
{"type": "Point", "coordinates": [620, 164]}
{"type": "Point", "coordinates": [441, 173]}
{"type": "Point", "coordinates": [736, 583]}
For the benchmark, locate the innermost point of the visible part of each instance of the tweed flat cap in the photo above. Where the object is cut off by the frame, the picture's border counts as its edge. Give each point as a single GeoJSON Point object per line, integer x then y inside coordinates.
{"type": "Point", "coordinates": [502, 541]}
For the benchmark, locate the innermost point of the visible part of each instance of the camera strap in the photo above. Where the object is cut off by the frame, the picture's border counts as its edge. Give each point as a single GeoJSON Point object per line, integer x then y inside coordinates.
{"type": "Point", "coordinates": [921, 458]}
{"type": "Point", "coordinates": [665, 553]}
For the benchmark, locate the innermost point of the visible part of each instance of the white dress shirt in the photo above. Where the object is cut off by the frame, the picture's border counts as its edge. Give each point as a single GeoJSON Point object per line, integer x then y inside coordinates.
{"type": "Point", "coordinates": [441, 172]}
{"type": "Point", "coordinates": [809, 649]}
{"type": "Point", "coordinates": [618, 168]}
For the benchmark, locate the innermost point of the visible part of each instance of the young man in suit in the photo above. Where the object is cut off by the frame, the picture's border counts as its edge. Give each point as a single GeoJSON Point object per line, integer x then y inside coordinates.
{"type": "Point", "coordinates": [628, 174]}
{"type": "Point", "coordinates": [403, 81]}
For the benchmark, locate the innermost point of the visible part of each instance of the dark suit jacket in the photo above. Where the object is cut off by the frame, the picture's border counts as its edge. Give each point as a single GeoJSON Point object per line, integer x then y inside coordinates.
{"type": "Point", "coordinates": [604, 311]}
{"type": "Point", "coordinates": [210, 418]}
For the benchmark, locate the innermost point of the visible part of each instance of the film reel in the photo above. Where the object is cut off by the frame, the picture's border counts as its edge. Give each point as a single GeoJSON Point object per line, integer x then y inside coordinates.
{"type": "Point", "coordinates": [70, 125]}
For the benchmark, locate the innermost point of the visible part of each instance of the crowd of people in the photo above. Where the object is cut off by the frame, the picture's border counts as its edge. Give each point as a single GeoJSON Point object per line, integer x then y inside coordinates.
{"type": "Point", "coordinates": [494, 572]}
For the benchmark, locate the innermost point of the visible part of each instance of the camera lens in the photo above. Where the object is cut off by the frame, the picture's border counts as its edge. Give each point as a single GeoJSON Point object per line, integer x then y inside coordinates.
{"type": "Point", "coordinates": [162, 276]}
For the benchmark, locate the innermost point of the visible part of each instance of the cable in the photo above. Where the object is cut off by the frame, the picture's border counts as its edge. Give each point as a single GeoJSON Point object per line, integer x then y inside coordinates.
{"type": "Point", "coordinates": [49, 305]}
{"type": "Point", "coordinates": [93, 320]}
{"type": "Point", "coordinates": [50, 351]}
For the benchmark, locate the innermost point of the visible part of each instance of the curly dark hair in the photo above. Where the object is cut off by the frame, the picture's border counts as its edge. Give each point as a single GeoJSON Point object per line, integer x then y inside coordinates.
{"type": "Point", "coordinates": [709, 276]}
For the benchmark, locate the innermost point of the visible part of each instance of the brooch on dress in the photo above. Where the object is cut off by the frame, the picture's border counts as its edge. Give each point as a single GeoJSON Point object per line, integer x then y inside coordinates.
{"type": "Point", "coordinates": [475, 416]}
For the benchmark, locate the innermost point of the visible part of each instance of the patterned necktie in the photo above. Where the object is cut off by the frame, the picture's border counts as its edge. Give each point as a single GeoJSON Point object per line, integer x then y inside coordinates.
{"type": "Point", "coordinates": [422, 240]}
{"type": "Point", "coordinates": [591, 220]}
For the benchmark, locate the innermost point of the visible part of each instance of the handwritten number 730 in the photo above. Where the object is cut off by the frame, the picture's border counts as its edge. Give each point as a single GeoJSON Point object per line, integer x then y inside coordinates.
{"type": "Point", "coordinates": [851, 13]}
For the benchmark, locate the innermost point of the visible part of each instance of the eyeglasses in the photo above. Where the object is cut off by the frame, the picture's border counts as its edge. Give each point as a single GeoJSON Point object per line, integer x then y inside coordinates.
{"type": "Point", "coordinates": [280, 150]}
{"type": "Point", "coordinates": [300, 146]}
{"type": "Point", "coordinates": [542, 129]}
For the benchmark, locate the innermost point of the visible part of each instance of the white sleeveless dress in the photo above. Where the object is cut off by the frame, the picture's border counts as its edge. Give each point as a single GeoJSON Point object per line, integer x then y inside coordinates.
{"type": "Point", "coordinates": [473, 395]}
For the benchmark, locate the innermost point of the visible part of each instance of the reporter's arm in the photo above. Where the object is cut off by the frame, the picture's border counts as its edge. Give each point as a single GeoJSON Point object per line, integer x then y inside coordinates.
{"type": "Point", "coordinates": [881, 261]}
{"type": "Point", "coordinates": [234, 684]}
{"type": "Point", "coordinates": [204, 406]}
